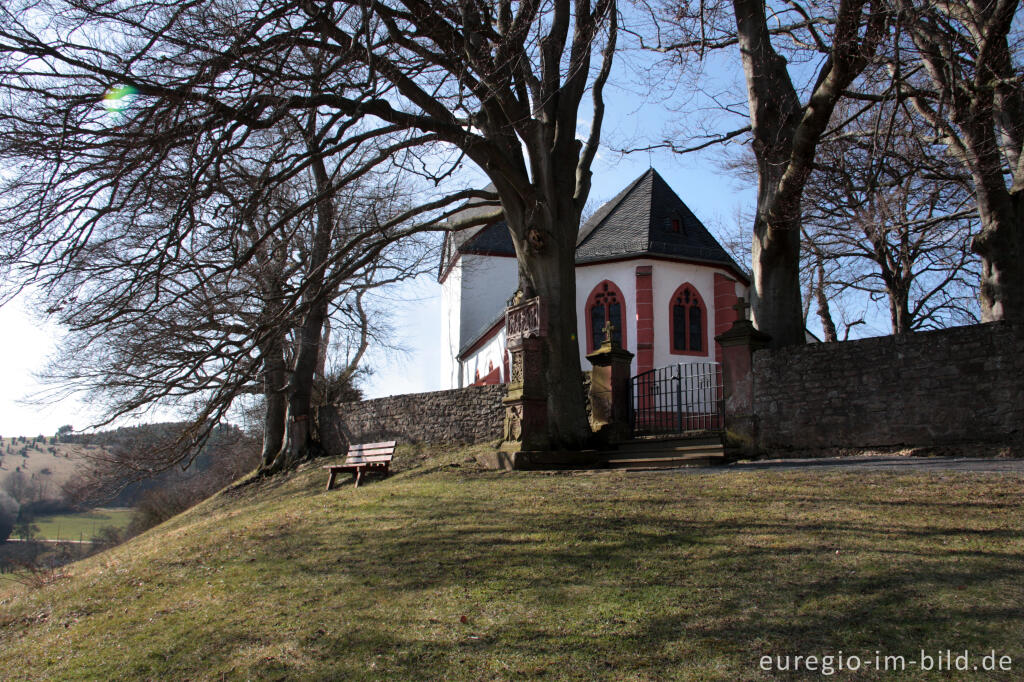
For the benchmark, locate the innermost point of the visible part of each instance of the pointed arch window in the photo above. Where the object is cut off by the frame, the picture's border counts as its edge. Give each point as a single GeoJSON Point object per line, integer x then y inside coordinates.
{"type": "Point", "coordinates": [688, 322]}
{"type": "Point", "coordinates": [606, 303]}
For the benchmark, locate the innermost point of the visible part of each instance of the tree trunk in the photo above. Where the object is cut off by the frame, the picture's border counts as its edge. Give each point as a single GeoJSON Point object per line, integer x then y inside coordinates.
{"type": "Point", "coordinates": [899, 311]}
{"type": "Point", "coordinates": [275, 383]}
{"type": "Point", "coordinates": [824, 312]}
{"type": "Point", "coordinates": [776, 263]}
{"type": "Point", "coordinates": [547, 268]}
{"type": "Point", "coordinates": [301, 442]}
{"type": "Point", "coordinates": [1001, 247]}
{"type": "Point", "coordinates": [786, 135]}
{"type": "Point", "coordinates": [774, 118]}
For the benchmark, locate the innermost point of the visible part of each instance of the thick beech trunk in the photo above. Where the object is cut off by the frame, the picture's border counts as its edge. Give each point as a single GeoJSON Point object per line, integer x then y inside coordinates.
{"type": "Point", "coordinates": [275, 380]}
{"type": "Point", "coordinates": [301, 442]}
{"type": "Point", "coordinates": [777, 310]}
{"type": "Point", "coordinates": [548, 270]}
{"type": "Point", "coordinates": [1001, 247]}
{"type": "Point", "coordinates": [786, 134]}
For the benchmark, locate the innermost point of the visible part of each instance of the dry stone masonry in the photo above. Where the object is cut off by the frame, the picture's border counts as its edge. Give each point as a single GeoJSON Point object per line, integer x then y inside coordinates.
{"type": "Point", "coordinates": [959, 385]}
{"type": "Point", "coordinates": [460, 416]}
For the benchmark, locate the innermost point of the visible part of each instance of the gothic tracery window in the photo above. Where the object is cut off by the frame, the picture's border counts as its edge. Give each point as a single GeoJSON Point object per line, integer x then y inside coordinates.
{"type": "Point", "coordinates": [606, 303]}
{"type": "Point", "coordinates": [688, 321]}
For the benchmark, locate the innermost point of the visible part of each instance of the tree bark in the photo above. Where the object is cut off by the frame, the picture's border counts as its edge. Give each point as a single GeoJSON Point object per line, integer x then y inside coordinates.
{"type": "Point", "coordinates": [774, 116]}
{"type": "Point", "coordinates": [786, 134]}
{"type": "Point", "coordinates": [549, 272]}
{"type": "Point", "coordinates": [828, 326]}
{"type": "Point", "coordinates": [1001, 247]}
{"type": "Point", "coordinates": [982, 120]}
{"type": "Point", "coordinates": [275, 382]}
{"type": "Point", "coordinates": [301, 441]}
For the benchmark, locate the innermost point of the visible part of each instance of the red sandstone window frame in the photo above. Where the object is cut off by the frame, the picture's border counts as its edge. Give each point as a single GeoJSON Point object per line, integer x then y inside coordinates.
{"type": "Point", "coordinates": [698, 301]}
{"type": "Point", "coordinates": [603, 288]}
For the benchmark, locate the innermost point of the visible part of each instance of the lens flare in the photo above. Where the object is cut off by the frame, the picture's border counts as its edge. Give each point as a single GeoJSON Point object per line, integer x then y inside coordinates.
{"type": "Point", "coordinates": [117, 99]}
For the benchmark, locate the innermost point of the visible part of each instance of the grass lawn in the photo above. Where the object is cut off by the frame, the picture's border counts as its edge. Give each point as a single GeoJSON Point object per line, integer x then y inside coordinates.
{"type": "Point", "coordinates": [445, 572]}
{"type": "Point", "coordinates": [81, 526]}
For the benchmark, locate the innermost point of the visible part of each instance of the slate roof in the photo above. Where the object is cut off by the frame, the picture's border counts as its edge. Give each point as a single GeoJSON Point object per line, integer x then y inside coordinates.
{"type": "Point", "coordinates": [636, 223]}
{"type": "Point", "coordinates": [492, 239]}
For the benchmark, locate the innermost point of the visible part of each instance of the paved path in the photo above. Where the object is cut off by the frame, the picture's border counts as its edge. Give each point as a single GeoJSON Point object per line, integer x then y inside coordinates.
{"type": "Point", "coordinates": [854, 464]}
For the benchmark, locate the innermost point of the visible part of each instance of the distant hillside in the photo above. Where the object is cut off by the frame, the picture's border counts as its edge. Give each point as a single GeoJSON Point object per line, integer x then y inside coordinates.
{"type": "Point", "coordinates": [220, 451]}
{"type": "Point", "coordinates": [42, 456]}
{"type": "Point", "coordinates": [52, 461]}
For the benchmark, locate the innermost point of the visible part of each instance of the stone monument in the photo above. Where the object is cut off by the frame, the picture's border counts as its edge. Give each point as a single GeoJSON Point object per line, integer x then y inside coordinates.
{"type": "Point", "coordinates": [610, 390]}
{"type": "Point", "coordinates": [526, 410]}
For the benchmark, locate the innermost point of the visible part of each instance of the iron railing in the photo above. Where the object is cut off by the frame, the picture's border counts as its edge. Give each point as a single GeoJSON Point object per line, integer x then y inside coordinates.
{"type": "Point", "coordinates": [677, 399]}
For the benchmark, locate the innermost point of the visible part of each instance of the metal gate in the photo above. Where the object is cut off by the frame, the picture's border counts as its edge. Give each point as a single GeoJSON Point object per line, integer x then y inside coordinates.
{"type": "Point", "coordinates": [677, 399]}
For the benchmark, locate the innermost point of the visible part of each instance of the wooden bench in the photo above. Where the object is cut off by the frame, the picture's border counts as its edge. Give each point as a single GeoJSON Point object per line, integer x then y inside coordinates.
{"type": "Point", "coordinates": [361, 458]}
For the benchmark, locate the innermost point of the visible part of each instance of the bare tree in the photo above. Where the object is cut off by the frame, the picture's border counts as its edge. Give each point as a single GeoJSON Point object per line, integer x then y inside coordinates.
{"type": "Point", "coordinates": [887, 213]}
{"type": "Point", "coordinates": [787, 118]}
{"type": "Point", "coordinates": [500, 84]}
{"type": "Point", "coordinates": [961, 68]}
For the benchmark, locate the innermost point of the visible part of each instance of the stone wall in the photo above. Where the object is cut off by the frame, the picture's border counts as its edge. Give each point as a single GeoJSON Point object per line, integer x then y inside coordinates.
{"type": "Point", "coordinates": [460, 416]}
{"type": "Point", "coordinates": [960, 385]}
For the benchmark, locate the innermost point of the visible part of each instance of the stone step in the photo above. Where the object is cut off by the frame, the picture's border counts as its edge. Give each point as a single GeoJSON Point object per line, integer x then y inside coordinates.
{"type": "Point", "coordinates": [680, 446]}
{"type": "Point", "coordinates": [666, 452]}
{"type": "Point", "coordinates": [654, 463]}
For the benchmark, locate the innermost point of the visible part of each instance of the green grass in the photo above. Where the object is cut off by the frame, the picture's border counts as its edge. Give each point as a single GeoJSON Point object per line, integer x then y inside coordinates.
{"type": "Point", "coordinates": [81, 526]}
{"type": "Point", "coordinates": [445, 572]}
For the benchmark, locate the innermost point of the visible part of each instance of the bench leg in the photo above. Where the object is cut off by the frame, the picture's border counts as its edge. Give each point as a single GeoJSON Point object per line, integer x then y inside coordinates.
{"type": "Point", "coordinates": [359, 475]}
{"type": "Point", "coordinates": [330, 479]}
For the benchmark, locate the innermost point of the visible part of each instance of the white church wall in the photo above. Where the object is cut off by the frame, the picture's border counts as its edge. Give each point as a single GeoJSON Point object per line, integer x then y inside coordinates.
{"type": "Point", "coordinates": [623, 275]}
{"type": "Point", "coordinates": [667, 277]}
{"type": "Point", "coordinates": [451, 300]}
{"type": "Point", "coordinates": [485, 360]}
{"type": "Point", "coordinates": [487, 284]}
{"type": "Point", "coordinates": [479, 286]}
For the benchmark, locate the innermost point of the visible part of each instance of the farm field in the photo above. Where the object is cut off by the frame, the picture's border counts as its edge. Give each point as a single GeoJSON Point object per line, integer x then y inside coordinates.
{"type": "Point", "coordinates": [81, 526]}
{"type": "Point", "coordinates": [443, 571]}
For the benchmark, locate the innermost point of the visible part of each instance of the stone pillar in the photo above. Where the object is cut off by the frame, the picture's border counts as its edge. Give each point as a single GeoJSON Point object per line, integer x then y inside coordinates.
{"type": "Point", "coordinates": [610, 390]}
{"type": "Point", "coordinates": [738, 345]}
{"type": "Point", "coordinates": [526, 410]}
{"type": "Point", "coordinates": [644, 319]}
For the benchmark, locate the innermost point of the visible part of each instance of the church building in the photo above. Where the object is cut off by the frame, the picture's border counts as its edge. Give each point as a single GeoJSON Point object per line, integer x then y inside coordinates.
{"type": "Point", "coordinates": [644, 262]}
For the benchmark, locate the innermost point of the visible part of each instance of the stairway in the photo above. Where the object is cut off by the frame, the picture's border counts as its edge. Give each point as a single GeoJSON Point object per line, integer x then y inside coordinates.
{"type": "Point", "coordinates": [660, 452]}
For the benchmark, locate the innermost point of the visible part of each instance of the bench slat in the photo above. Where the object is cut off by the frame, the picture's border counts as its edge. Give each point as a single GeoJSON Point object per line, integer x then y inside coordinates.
{"type": "Point", "coordinates": [368, 460]}
{"type": "Point", "coordinates": [372, 461]}
{"type": "Point", "coordinates": [381, 452]}
{"type": "Point", "coordinates": [372, 446]}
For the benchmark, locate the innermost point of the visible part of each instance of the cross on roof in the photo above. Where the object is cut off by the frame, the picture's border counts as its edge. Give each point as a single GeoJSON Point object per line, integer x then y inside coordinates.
{"type": "Point", "coordinates": [741, 307]}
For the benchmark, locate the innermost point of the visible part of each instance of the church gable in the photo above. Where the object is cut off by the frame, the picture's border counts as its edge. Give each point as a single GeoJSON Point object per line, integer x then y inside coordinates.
{"type": "Point", "coordinates": [649, 219]}
{"type": "Point", "coordinates": [645, 219]}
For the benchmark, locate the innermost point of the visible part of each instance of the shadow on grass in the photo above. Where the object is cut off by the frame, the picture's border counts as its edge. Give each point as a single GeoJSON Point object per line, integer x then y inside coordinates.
{"type": "Point", "coordinates": [651, 586]}
{"type": "Point", "coordinates": [571, 578]}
